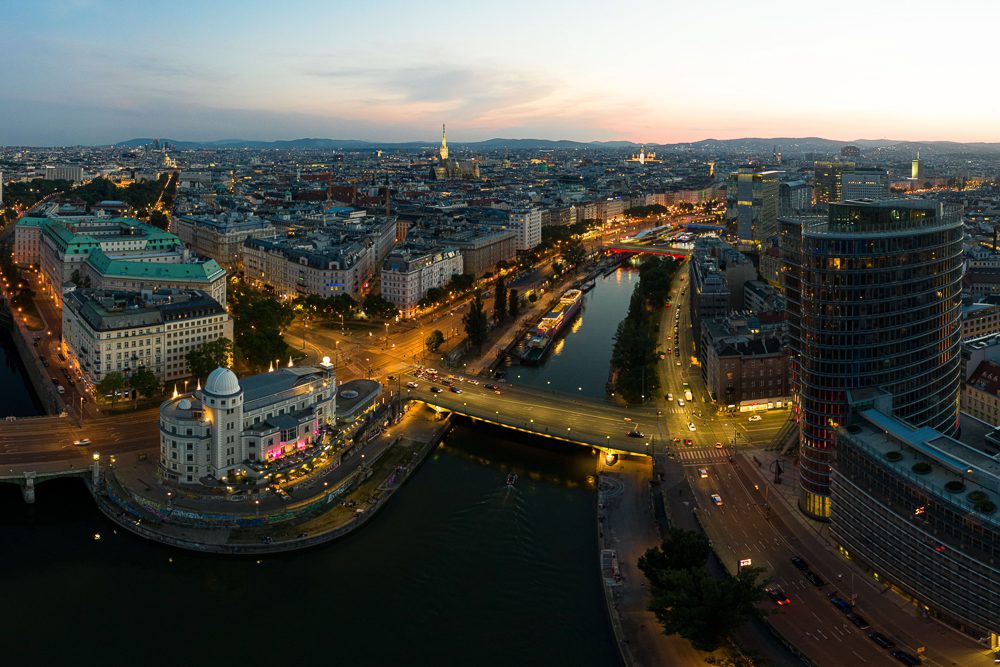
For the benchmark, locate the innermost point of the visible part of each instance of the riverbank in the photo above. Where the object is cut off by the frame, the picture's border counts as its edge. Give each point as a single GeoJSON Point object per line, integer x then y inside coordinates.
{"type": "Point", "coordinates": [351, 494]}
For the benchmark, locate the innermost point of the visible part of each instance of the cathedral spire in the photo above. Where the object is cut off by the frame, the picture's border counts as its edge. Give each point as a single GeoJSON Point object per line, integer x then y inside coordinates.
{"type": "Point", "coordinates": [443, 151]}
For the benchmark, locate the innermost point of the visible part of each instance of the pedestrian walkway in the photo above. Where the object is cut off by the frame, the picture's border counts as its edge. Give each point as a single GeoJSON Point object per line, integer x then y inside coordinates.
{"type": "Point", "coordinates": [702, 455]}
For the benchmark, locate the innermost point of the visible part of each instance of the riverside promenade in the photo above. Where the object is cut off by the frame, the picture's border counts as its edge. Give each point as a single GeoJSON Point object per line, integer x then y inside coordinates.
{"type": "Point", "coordinates": [325, 506]}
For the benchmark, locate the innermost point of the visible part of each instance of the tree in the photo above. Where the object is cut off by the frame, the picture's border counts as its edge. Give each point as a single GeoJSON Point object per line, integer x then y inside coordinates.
{"type": "Point", "coordinates": [475, 322]}
{"type": "Point", "coordinates": [259, 319]}
{"type": "Point", "coordinates": [500, 300]}
{"type": "Point", "coordinates": [159, 219]}
{"type": "Point", "coordinates": [211, 355]}
{"type": "Point", "coordinates": [378, 306]}
{"type": "Point", "coordinates": [514, 303]}
{"type": "Point", "coordinates": [112, 384]}
{"type": "Point", "coordinates": [688, 601]}
{"type": "Point", "coordinates": [145, 382]}
{"type": "Point", "coordinates": [461, 282]}
{"type": "Point", "coordinates": [574, 252]}
{"type": "Point", "coordinates": [434, 340]}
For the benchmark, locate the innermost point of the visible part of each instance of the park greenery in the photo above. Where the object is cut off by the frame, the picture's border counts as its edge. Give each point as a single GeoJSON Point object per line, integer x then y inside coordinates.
{"type": "Point", "coordinates": [459, 284]}
{"type": "Point", "coordinates": [140, 196]}
{"type": "Point", "coordinates": [475, 322]}
{"type": "Point", "coordinates": [211, 355]}
{"type": "Point", "coordinates": [341, 305]}
{"type": "Point", "coordinates": [111, 384]}
{"type": "Point", "coordinates": [635, 352]}
{"type": "Point", "coordinates": [434, 340]}
{"type": "Point", "coordinates": [513, 303]}
{"type": "Point", "coordinates": [646, 211]}
{"type": "Point", "coordinates": [692, 603]}
{"type": "Point", "coordinates": [258, 320]}
{"type": "Point", "coordinates": [377, 306]}
{"type": "Point", "coordinates": [500, 300]}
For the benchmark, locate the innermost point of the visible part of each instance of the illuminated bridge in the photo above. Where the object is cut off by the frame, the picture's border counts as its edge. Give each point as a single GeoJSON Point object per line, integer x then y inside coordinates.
{"type": "Point", "coordinates": [575, 419]}
{"type": "Point", "coordinates": [635, 248]}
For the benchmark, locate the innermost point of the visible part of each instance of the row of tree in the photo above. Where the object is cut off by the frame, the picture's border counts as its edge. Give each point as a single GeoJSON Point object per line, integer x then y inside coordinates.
{"type": "Point", "coordinates": [141, 381]}
{"type": "Point", "coordinates": [692, 603]}
{"type": "Point", "coordinates": [635, 352]}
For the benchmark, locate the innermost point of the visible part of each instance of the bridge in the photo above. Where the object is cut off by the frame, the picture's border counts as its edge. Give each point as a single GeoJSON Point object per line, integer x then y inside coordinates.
{"type": "Point", "coordinates": [574, 419]}
{"type": "Point", "coordinates": [636, 248]}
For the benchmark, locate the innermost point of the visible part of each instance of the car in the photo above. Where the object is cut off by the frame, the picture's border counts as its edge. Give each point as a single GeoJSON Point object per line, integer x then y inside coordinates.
{"type": "Point", "coordinates": [680, 402]}
{"type": "Point", "coordinates": [677, 363]}
{"type": "Point", "coordinates": [628, 419]}
{"type": "Point", "coordinates": [688, 442]}
{"type": "Point", "coordinates": [634, 433]}
{"type": "Point", "coordinates": [799, 563]}
{"type": "Point", "coordinates": [390, 378]}
{"type": "Point", "coordinates": [905, 658]}
{"type": "Point", "coordinates": [677, 441]}
{"type": "Point", "coordinates": [668, 305]}
{"type": "Point", "coordinates": [813, 578]}
{"type": "Point", "coordinates": [455, 390]}
{"type": "Point", "coordinates": [447, 381]}
{"type": "Point", "coordinates": [840, 603]}
{"type": "Point", "coordinates": [716, 500]}
{"type": "Point", "coordinates": [718, 445]}
{"type": "Point", "coordinates": [692, 427]}
{"type": "Point", "coordinates": [492, 387]}
{"type": "Point", "coordinates": [83, 442]}
{"type": "Point", "coordinates": [412, 385]}
{"type": "Point", "coordinates": [858, 620]}
{"type": "Point", "coordinates": [881, 640]}
{"type": "Point", "coordinates": [435, 390]}
{"type": "Point", "coordinates": [669, 396]}
{"type": "Point", "coordinates": [668, 337]}
{"type": "Point", "coordinates": [703, 473]}
{"type": "Point", "coordinates": [778, 596]}
{"type": "Point", "coordinates": [755, 418]}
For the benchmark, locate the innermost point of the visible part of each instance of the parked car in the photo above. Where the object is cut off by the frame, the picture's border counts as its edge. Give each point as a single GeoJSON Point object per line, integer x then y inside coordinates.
{"type": "Point", "coordinates": [840, 603]}
{"type": "Point", "coordinates": [858, 620]}
{"type": "Point", "coordinates": [905, 658]}
{"type": "Point", "coordinates": [881, 640]}
{"type": "Point", "coordinates": [800, 563]}
{"type": "Point", "coordinates": [813, 578]}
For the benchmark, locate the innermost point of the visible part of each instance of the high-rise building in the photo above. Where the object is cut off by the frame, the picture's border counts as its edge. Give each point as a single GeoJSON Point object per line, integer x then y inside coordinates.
{"type": "Point", "coordinates": [64, 173]}
{"type": "Point", "coordinates": [864, 183]}
{"type": "Point", "coordinates": [915, 167]}
{"type": "Point", "coordinates": [752, 201]}
{"type": "Point", "coordinates": [873, 294]}
{"type": "Point", "coordinates": [826, 177]}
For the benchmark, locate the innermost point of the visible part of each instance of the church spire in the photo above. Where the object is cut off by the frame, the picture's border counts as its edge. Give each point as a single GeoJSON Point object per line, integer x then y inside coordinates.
{"type": "Point", "coordinates": [443, 151]}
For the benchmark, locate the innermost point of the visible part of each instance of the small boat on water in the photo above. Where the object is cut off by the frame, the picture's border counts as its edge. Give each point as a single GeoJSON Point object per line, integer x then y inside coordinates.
{"type": "Point", "coordinates": [511, 478]}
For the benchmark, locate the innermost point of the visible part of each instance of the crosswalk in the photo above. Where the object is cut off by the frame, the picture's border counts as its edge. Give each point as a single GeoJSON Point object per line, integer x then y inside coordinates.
{"type": "Point", "coordinates": [701, 455]}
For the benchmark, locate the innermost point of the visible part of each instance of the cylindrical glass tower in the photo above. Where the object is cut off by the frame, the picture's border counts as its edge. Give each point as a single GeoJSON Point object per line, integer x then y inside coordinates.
{"type": "Point", "coordinates": [874, 297]}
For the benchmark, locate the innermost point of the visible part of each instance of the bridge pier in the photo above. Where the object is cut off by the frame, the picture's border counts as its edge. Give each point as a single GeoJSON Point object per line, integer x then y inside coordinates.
{"type": "Point", "coordinates": [28, 488]}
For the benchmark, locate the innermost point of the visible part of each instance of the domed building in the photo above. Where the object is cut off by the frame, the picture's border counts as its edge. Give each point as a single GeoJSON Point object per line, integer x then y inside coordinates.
{"type": "Point", "coordinates": [232, 428]}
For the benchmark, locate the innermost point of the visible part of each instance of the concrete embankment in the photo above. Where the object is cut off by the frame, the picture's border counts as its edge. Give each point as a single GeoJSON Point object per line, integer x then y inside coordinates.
{"type": "Point", "coordinates": [48, 397]}
{"type": "Point", "coordinates": [340, 509]}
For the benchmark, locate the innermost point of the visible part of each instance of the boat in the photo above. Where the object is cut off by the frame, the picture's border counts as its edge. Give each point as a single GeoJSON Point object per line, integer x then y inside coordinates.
{"type": "Point", "coordinates": [539, 340]}
{"type": "Point", "coordinates": [511, 478]}
{"type": "Point", "coordinates": [589, 285]}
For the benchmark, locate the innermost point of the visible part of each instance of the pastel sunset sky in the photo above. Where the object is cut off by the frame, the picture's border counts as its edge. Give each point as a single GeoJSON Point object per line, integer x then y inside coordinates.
{"type": "Point", "coordinates": [93, 71]}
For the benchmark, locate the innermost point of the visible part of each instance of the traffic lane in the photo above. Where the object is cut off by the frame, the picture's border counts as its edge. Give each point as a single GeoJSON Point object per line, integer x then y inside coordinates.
{"type": "Point", "coordinates": [815, 626]}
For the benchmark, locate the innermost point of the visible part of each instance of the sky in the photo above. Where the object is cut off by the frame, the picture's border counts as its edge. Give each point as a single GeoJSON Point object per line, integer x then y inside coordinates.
{"type": "Point", "coordinates": [656, 71]}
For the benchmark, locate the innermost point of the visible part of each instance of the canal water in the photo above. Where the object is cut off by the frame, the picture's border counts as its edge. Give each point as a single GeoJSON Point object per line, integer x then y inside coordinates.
{"type": "Point", "coordinates": [580, 359]}
{"type": "Point", "coordinates": [456, 569]}
{"type": "Point", "coordinates": [17, 398]}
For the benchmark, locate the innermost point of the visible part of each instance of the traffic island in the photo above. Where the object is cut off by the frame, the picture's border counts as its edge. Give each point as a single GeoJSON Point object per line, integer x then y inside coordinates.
{"type": "Point", "coordinates": [338, 501]}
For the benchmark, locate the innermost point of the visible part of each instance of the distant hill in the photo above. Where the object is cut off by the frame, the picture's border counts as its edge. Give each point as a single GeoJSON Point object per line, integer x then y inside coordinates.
{"type": "Point", "coordinates": [750, 145]}
{"type": "Point", "coordinates": [355, 144]}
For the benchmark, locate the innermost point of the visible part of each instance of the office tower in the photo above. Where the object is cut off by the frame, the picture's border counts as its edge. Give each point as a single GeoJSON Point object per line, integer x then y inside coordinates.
{"type": "Point", "coordinates": [864, 183]}
{"type": "Point", "coordinates": [827, 180]}
{"type": "Point", "coordinates": [752, 201]}
{"type": "Point", "coordinates": [915, 167]}
{"type": "Point", "coordinates": [873, 293]}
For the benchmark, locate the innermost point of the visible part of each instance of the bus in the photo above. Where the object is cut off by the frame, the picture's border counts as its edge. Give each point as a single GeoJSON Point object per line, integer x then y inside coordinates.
{"type": "Point", "coordinates": [687, 392]}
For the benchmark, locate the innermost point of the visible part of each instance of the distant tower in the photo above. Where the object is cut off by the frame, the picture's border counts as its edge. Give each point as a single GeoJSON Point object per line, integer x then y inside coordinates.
{"type": "Point", "coordinates": [915, 167]}
{"type": "Point", "coordinates": [443, 151]}
{"type": "Point", "coordinates": [711, 169]}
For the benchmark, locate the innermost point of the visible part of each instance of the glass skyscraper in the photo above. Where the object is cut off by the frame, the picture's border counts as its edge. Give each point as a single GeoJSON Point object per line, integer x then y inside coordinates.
{"type": "Point", "coordinates": [874, 299]}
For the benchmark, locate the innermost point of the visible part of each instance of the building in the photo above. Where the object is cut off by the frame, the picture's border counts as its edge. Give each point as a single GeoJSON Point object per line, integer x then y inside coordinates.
{"type": "Point", "coordinates": [770, 265]}
{"type": "Point", "coordinates": [980, 319]}
{"type": "Point", "coordinates": [108, 330]}
{"type": "Point", "coordinates": [761, 297]}
{"type": "Point", "coordinates": [482, 250]}
{"type": "Point", "coordinates": [752, 201]}
{"type": "Point", "coordinates": [794, 197]}
{"type": "Point", "coordinates": [233, 429]}
{"type": "Point", "coordinates": [917, 508]}
{"type": "Point", "coordinates": [873, 295]}
{"type": "Point", "coordinates": [222, 237]}
{"type": "Point", "coordinates": [527, 222]}
{"type": "Point", "coordinates": [112, 253]}
{"type": "Point", "coordinates": [64, 173]}
{"type": "Point", "coordinates": [915, 167]}
{"type": "Point", "coordinates": [408, 273]}
{"type": "Point", "coordinates": [744, 368]}
{"type": "Point", "coordinates": [828, 180]}
{"type": "Point", "coordinates": [864, 183]}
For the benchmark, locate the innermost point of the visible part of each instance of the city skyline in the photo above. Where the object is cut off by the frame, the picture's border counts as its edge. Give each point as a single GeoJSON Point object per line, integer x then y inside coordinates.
{"type": "Point", "coordinates": [92, 72]}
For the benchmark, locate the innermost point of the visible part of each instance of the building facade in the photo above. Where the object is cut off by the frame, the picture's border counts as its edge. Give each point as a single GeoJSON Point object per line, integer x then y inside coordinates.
{"type": "Point", "coordinates": [528, 225]}
{"type": "Point", "coordinates": [234, 429]}
{"type": "Point", "coordinates": [106, 331]}
{"type": "Point", "coordinates": [752, 201]}
{"type": "Point", "coordinates": [220, 238]}
{"type": "Point", "coordinates": [864, 183]}
{"type": "Point", "coordinates": [407, 275]}
{"type": "Point", "coordinates": [873, 296]}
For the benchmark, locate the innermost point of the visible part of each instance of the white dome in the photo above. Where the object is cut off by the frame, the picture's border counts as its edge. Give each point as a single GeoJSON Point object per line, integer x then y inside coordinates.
{"type": "Point", "coordinates": [184, 404]}
{"type": "Point", "coordinates": [222, 382]}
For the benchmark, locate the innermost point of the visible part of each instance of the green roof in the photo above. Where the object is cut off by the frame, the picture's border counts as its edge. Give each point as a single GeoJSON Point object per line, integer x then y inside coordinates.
{"type": "Point", "coordinates": [206, 271]}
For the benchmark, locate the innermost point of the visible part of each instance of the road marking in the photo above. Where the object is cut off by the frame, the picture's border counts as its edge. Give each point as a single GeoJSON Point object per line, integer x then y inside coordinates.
{"type": "Point", "coordinates": [858, 656]}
